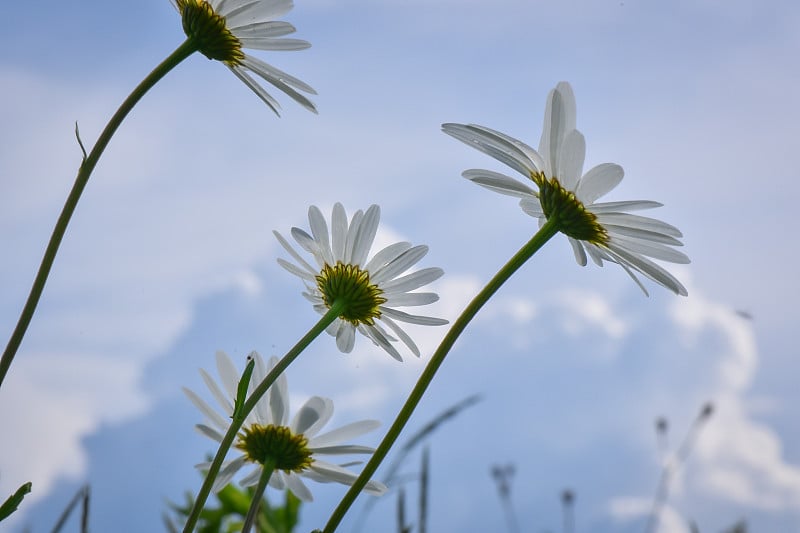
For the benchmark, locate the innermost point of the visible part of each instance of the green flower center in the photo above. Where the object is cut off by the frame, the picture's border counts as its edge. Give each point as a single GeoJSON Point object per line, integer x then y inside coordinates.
{"type": "Point", "coordinates": [573, 218]}
{"type": "Point", "coordinates": [209, 33]}
{"type": "Point", "coordinates": [277, 444]}
{"type": "Point", "coordinates": [350, 284]}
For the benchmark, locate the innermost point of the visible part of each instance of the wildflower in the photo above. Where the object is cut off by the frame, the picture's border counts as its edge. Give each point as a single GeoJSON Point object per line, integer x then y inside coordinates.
{"type": "Point", "coordinates": [557, 187]}
{"type": "Point", "coordinates": [267, 435]}
{"type": "Point", "coordinates": [221, 29]}
{"type": "Point", "coordinates": [372, 289]}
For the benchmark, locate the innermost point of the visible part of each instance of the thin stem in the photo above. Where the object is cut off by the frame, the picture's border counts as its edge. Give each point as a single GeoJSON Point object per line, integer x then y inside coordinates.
{"type": "Point", "coordinates": [236, 423]}
{"type": "Point", "coordinates": [549, 229]}
{"type": "Point", "coordinates": [266, 472]}
{"type": "Point", "coordinates": [84, 172]}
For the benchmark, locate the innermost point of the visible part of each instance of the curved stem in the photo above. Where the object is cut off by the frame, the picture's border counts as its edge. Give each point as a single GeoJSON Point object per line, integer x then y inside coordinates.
{"type": "Point", "coordinates": [549, 229]}
{"type": "Point", "coordinates": [84, 172]}
{"type": "Point", "coordinates": [236, 423]}
{"type": "Point", "coordinates": [266, 472]}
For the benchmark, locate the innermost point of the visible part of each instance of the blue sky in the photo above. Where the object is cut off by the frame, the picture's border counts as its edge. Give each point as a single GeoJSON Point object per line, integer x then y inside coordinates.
{"type": "Point", "coordinates": [170, 256]}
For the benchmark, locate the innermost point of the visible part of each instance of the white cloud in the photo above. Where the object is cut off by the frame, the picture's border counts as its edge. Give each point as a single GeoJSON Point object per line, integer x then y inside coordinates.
{"type": "Point", "coordinates": [50, 403]}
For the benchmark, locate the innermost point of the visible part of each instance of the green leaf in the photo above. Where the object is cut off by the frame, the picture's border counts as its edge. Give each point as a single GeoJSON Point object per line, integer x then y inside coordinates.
{"type": "Point", "coordinates": [241, 393]}
{"type": "Point", "coordinates": [13, 501]}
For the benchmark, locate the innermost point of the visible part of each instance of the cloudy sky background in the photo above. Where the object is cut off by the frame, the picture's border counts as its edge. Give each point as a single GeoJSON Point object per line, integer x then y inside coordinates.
{"type": "Point", "coordinates": [170, 256]}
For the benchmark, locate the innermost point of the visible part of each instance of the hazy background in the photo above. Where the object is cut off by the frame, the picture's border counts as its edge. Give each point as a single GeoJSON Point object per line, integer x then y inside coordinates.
{"type": "Point", "coordinates": [170, 256]}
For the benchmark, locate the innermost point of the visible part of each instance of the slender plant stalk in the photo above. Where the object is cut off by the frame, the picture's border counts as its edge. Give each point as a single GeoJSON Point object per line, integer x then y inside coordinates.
{"type": "Point", "coordinates": [237, 421]}
{"type": "Point", "coordinates": [266, 472]}
{"type": "Point", "coordinates": [84, 172]}
{"type": "Point", "coordinates": [549, 229]}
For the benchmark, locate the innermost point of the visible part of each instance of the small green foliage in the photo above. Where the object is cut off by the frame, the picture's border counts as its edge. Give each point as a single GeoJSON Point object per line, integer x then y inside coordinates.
{"type": "Point", "coordinates": [13, 501]}
{"type": "Point", "coordinates": [233, 504]}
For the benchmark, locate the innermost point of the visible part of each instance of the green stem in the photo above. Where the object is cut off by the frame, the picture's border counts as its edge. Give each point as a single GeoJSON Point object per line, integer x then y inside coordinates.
{"type": "Point", "coordinates": [236, 423]}
{"type": "Point", "coordinates": [252, 513]}
{"type": "Point", "coordinates": [85, 170]}
{"type": "Point", "coordinates": [549, 229]}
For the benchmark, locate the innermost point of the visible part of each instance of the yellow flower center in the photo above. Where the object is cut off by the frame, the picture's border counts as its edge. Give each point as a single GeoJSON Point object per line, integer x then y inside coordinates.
{"type": "Point", "coordinates": [350, 284]}
{"type": "Point", "coordinates": [209, 32]}
{"type": "Point", "coordinates": [573, 218]}
{"type": "Point", "coordinates": [277, 444]}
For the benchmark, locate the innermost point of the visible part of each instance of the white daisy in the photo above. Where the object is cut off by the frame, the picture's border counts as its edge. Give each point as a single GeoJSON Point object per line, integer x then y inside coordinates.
{"type": "Point", "coordinates": [606, 231]}
{"type": "Point", "coordinates": [222, 28]}
{"type": "Point", "coordinates": [371, 288]}
{"type": "Point", "coordinates": [295, 446]}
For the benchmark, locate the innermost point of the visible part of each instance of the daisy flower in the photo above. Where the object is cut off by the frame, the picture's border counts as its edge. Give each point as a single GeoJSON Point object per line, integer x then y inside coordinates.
{"type": "Point", "coordinates": [221, 29]}
{"type": "Point", "coordinates": [371, 288]}
{"type": "Point", "coordinates": [557, 187]}
{"type": "Point", "coordinates": [267, 434]}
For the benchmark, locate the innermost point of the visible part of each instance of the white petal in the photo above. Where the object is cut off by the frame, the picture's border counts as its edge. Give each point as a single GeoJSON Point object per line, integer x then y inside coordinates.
{"type": "Point", "coordinates": [412, 281]}
{"type": "Point", "coordinates": [256, 12]}
{"type": "Point", "coordinates": [277, 399]}
{"type": "Point", "coordinates": [269, 29]}
{"type": "Point", "coordinates": [280, 81]}
{"type": "Point", "coordinates": [338, 231]}
{"type": "Point", "coordinates": [248, 80]}
{"type": "Point", "coordinates": [577, 249]}
{"type": "Point", "coordinates": [597, 254]}
{"type": "Point", "coordinates": [402, 335]}
{"type": "Point", "coordinates": [261, 411]}
{"type": "Point", "coordinates": [210, 432]}
{"type": "Point", "coordinates": [319, 228]}
{"type": "Point", "coordinates": [278, 480]}
{"type": "Point", "coordinates": [386, 255]}
{"type": "Point", "coordinates": [330, 472]}
{"type": "Point", "coordinates": [344, 433]}
{"type": "Point", "coordinates": [227, 373]}
{"type": "Point", "coordinates": [266, 43]}
{"type": "Point", "coordinates": [341, 449]}
{"type": "Point", "coordinates": [227, 471]}
{"type": "Point", "coordinates": [213, 416]}
{"type": "Point", "coordinates": [631, 205]}
{"type": "Point", "coordinates": [400, 264]}
{"type": "Point", "coordinates": [489, 144]}
{"type": "Point", "coordinates": [413, 319]}
{"type": "Point", "coordinates": [411, 299]}
{"type": "Point", "coordinates": [297, 271]}
{"type": "Point", "coordinates": [309, 244]}
{"type": "Point", "coordinates": [532, 207]}
{"type": "Point", "coordinates": [380, 338]}
{"type": "Point", "coordinates": [494, 181]}
{"type": "Point", "coordinates": [314, 414]}
{"type": "Point", "coordinates": [223, 400]}
{"type": "Point", "coordinates": [298, 488]}
{"type": "Point", "coordinates": [651, 249]}
{"type": "Point", "coordinates": [523, 148]}
{"type": "Point", "coordinates": [559, 118]}
{"type": "Point", "coordinates": [649, 269]}
{"type": "Point", "coordinates": [636, 221]}
{"type": "Point", "coordinates": [345, 336]}
{"type": "Point", "coordinates": [251, 479]}
{"type": "Point", "coordinates": [570, 160]}
{"type": "Point", "coordinates": [641, 234]}
{"type": "Point", "coordinates": [352, 231]}
{"type": "Point", "coordinates": [366, 235]}
{"type": "Point", "coordinates": [286, 246]}
{"type": "Point", "coordinates": [598, 181]}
